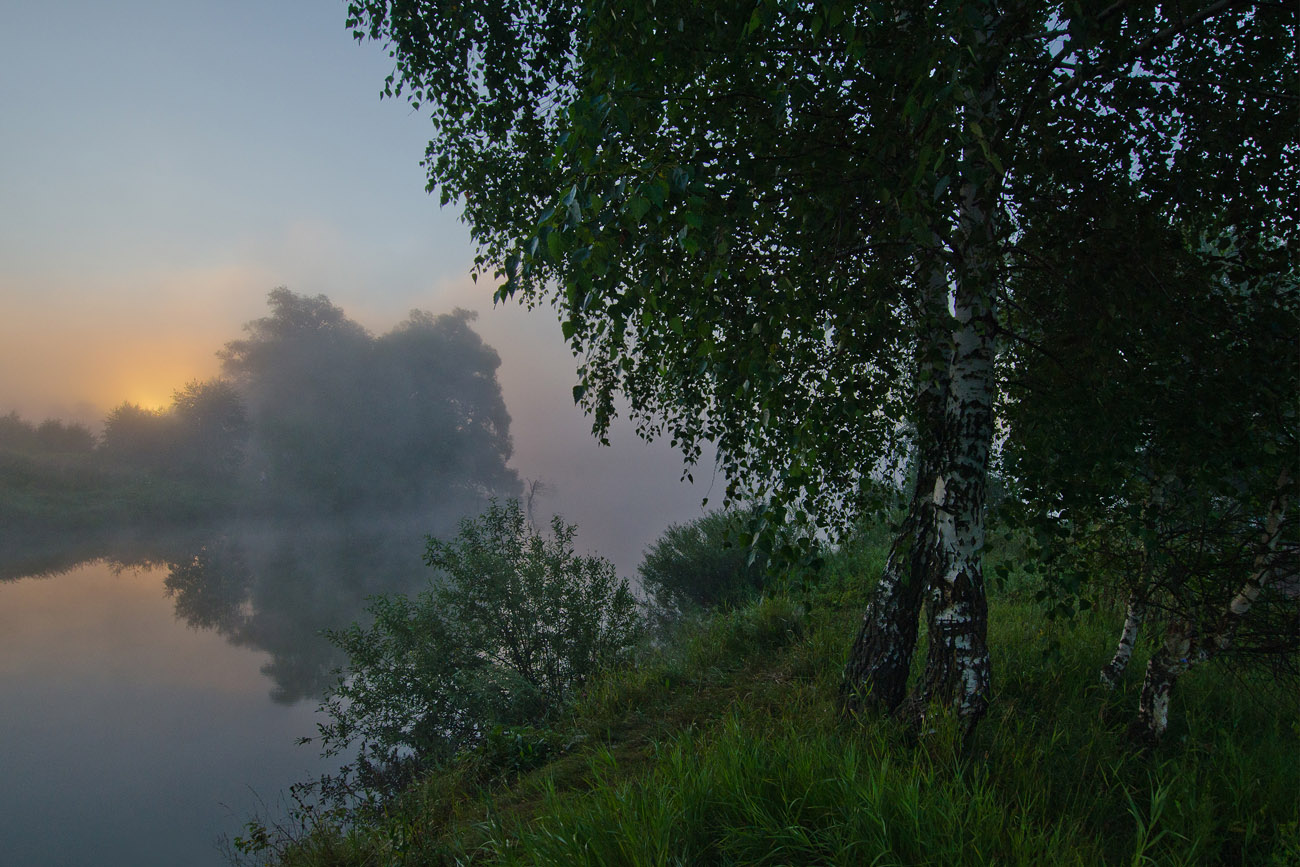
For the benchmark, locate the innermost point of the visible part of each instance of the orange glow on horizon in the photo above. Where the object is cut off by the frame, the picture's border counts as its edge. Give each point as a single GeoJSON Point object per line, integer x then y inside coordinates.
{"type": "Point", "coordinates": [147, 380]}
{"type": "Point", "coordinates": [149, 401]}
{"type": "Point", "coordinates": [132, 338]}
{"type": "Point", "coordinates": [83, 380]}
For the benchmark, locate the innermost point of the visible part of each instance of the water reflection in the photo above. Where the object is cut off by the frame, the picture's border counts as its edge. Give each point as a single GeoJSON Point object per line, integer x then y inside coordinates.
{"type": "Point", "coordinates": [269, 587]}
{"type": "Point", "coordinates": [132, 740]}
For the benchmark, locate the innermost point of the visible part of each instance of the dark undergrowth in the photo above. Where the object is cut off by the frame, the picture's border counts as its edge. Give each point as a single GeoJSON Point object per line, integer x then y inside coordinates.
{"type": "Point", "coordinates": [724, 746]}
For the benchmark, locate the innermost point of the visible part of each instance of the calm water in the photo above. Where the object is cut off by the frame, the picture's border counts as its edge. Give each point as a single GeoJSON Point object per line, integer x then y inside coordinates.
{"type": "Point", "coordinates": [150, 699]}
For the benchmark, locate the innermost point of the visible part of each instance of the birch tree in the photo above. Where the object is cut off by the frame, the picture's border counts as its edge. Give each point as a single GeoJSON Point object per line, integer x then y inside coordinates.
{"type": "Point", "coordinates": [1163, 443]}
{"type": "Point", "coordinates": [785, 228]}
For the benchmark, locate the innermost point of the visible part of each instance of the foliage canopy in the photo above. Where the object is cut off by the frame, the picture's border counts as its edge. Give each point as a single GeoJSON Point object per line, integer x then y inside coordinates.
{"type": "Point", "coordinates": [800, 230]}
{"type": "Point", "coordinates": [731, 197]}
{"type": "Point", "coordinates": [343, 420]}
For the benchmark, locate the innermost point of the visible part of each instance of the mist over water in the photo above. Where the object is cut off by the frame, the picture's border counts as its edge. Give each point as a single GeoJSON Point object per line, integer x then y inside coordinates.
{"type": "Point", "coordinates": [166, 584]}
{"type": "Point", "coordinates": [165, 588]}
{"type": "Point", "coordinates": [131, 738]}
{"type": "Point", "coordinates": [158, 688]}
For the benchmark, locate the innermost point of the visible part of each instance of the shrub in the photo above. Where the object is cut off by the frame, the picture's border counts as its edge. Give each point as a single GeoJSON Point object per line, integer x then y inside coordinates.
{"type": "Point", "coordinates": [704, 562]}
{"type": "Point", "coordinates": [517, 622]}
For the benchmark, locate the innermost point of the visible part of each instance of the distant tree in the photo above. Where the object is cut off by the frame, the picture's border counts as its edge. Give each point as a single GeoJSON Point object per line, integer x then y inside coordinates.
{"type": "Point", "coordinates": [139, 438]}
{"type": "Point", "coordinates": [302, 372]}
{"type": "Point", "coordinates": [55, 436]}
{"type": "Point", "coordinates": [342, 420]}
{"type": "Point", "coordinates": [450, 417]}
{"type": "Point", "coordinates": [213, 428]}
{"type": "Point", "coordinates": [17, 434]}
{"type": "Point", "coordinates": [705, 562]}
{"type": "Point", "coordinates": [51, 436]}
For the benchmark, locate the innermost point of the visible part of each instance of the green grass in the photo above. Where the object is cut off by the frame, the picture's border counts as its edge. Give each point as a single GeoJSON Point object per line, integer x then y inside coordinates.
{"type": "Point", "coordinates": [724, 747]}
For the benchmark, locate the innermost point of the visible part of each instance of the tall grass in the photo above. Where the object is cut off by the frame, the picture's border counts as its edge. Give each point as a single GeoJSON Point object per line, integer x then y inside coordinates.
{"type": "Point", "coordinates": [725, 747]}
{"type": "Point", "coordinates": [1052, 780]}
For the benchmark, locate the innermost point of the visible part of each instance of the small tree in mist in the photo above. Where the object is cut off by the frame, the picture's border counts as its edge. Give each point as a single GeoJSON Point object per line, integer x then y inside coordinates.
{"type": "Point", "coordinates": [213, 428]}
{"type": "Point", "coordinates": [703, 562]}
{"type": "Point", "coordinates": [57, 437]}
{"type": "Point", "coordinates": [139, 438]}
{"type": "Point", "coordinates": [518, 621]}
{"type": "Point", "coordinates": [51, 436]}
{"type": "Point", "coordinates": [201, 437]}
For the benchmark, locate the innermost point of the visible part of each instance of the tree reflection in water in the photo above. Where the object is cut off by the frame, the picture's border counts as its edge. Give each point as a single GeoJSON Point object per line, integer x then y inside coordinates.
{"type": "Point", "coordinates": [276, 589]}
{"type": "Point", "coordinates": [272, 587]}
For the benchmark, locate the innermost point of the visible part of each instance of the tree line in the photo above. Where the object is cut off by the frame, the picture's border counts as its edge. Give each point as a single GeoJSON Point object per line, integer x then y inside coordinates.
{"type": "Point", "coordinates": [312, 415]}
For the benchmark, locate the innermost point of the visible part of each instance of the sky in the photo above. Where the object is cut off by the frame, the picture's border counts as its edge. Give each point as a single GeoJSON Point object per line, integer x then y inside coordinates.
{"type": "Point", "coordinates": [164, 164]}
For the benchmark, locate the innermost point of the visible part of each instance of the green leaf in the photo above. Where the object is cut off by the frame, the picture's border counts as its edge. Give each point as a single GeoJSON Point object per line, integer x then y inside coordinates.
{"type": "Point", "coordinates": [637, 207]}
{"type": "Point", "coordinates": [657, 191]}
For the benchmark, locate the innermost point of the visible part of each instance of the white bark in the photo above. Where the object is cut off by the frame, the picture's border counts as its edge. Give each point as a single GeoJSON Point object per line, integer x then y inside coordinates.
{"type": "Point", "coordinates": [957, 601]}
{"type": "Point", "coordinates": [1133, 618]}
{"type": "Point", "coordinates": [1241, 604]}
{"type": "Point", "coordinates": [881, 656]}
{"type": "Point", "coordinates": [958, 669]}
{"type": "Point", "coordinates": [1182, 650]}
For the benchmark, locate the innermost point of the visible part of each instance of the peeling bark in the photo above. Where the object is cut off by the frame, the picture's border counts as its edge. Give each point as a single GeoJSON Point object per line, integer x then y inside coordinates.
{"type": "Point", "coordinates": [1163, 671]}
{"type": "Point", "coordinates": [881, 656]}
{"type": "Point", "coordinates": [957, 672]}
{"type": "Point", "coordinates": [943, 545]}
{"type": "Point", "coordinates": [1133, 617]}
{"type": "Point", "coordinates": [1135, 613]}
{"type": "Point", "coordinates": [1261, 575]}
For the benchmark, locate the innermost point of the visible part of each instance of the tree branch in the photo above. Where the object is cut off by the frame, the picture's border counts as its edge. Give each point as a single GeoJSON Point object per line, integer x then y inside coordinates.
{"type": "Point", "coordinates": [1088, 74]}
{"type": "Point", "coordinates": [1156, 40]}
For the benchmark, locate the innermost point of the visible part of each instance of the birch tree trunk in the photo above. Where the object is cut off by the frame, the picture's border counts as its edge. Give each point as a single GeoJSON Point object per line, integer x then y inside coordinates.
{"type": "Point", "coordinates": [881, 656]}
{"type": "Point", "coordinates": [1182, 648]}
{"type": "Point", "coordinates": [1133, 617]}
{"type": "Point", "coordinates": [958, 672]}
{"type": "Point", "coordinates": [1168, 664]}
{"type": "Point", "coordinates": [1135, 612]}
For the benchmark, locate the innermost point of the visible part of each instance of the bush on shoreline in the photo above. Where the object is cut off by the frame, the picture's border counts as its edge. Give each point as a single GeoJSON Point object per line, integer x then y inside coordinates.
{"type": "Point", "coordinates": [725, 746]}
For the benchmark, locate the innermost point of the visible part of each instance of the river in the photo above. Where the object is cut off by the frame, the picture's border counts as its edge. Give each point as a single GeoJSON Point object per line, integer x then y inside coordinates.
{"type": "Point", "coordinates": [152, 692]}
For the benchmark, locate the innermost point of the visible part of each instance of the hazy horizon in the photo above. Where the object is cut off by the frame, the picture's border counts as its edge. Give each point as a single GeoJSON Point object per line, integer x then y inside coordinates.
{"type": "Point", "coordinates": [164, 167]}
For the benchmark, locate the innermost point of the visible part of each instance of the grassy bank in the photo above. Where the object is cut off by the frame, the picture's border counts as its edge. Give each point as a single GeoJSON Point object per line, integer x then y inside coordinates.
{"type": "Point", "coordinates": [724, 747]}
